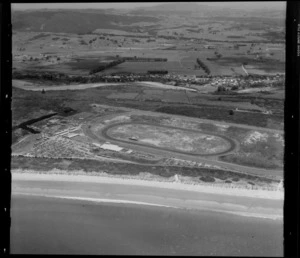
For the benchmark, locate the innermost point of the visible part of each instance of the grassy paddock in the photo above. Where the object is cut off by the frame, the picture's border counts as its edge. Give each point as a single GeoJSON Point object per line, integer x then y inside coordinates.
{"type": "Point", "coordinates": [219, 114]}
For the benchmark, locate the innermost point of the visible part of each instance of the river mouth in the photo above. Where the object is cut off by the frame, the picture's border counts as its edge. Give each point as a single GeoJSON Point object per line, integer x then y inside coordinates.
{"type": "Point", "coordinates": [184, 141]}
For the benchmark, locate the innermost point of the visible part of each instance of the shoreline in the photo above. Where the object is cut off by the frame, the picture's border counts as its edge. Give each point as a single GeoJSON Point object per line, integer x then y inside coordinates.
{"type": "Point", "coordinates": [80, 176]}
{"type": "Point", "coordinates": [215, 208]}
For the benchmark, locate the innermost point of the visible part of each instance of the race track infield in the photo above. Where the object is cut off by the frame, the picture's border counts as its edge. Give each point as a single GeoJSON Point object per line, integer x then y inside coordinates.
{"type": "Point", "coordinates": [169, 138]}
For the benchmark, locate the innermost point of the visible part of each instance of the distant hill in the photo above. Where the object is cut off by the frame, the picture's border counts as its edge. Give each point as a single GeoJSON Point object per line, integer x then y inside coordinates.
{"type": "Point", "coordinates": [222, 10]}
{"type": "Point", "coordinates": [88, 20]}
{"type": "Point", "coordinates": [73, 21]}
{"type": "Point", "coordinates": [174, 8]}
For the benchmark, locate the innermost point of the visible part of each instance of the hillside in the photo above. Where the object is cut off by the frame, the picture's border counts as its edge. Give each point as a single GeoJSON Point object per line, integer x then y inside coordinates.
{"type": "Point", "coordinates": [203, 10]}
{"type": "Point", "coordinates": [176, 7]}
{"type": "Point", "coordinates": [73, 21]}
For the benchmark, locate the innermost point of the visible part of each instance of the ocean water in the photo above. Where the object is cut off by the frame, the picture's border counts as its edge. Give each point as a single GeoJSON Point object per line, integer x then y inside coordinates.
{"type": "Point", "coordinates": [61, 226]}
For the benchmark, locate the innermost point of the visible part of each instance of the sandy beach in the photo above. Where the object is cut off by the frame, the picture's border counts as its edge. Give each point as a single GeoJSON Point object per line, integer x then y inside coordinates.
{"type": "Point", "coordinates": [97, 205]}
{"type": "Point", "coordinates": [105, 179]}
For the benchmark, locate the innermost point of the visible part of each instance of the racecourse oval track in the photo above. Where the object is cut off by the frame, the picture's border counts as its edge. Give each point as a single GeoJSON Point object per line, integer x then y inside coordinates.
{"type": "Point", "coordinates": [105, 130]}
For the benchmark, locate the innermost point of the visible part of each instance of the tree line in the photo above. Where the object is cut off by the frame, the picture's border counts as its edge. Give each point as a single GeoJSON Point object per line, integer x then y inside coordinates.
{"type": "Point", "coordinates": [106, 66]}
{"type": "Point", "coordinates": [203, 66]}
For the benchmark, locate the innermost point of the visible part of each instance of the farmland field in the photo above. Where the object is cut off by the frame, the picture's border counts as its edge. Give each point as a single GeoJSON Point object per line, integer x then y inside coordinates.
{"type": "Point", "coordinates": [136, 67]}
{"type": "Point", "coordinates": [144, 67]}
{"type": "Point", "coordinates": [122, 96]}
{"type": "Point", "coordinates": [177, 97]}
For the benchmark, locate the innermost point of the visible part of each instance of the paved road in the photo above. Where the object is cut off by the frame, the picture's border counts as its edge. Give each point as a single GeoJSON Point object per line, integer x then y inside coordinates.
{"type": "Point", "coordinates": [244, 69]}
{"type": "Point", "coordinates": [52, 221]}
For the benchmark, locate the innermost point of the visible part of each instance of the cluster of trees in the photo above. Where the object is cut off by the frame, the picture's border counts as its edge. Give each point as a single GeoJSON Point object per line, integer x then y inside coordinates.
{"type": "Point", "coordinates": [33, 59]}
{"type": "Point", "coordinates": [207, 179]}
{"type": "Point", "coordinates": [144, 59]}
{"type": "Point", "coordinates": [221, 89]}
{"type": "Point", "coordinates": [48, 76]}
{"type": "Point", "coordinates": [41, 35]}
{"type": "Point", "coordinates": [167, 37]}
{"type": "Point", "coordinates": [136, 40]}
{"type": "Point", "coordinates": [106, 66]}
{"type": "Point", "coordinates": [218, 56]}
{"type": "Point", "coordinates": [157, 72]}
{"type": "Point", "coordinates": [69, 79]}
{"type": "Point", "coordinates": [92, 40]}
{"type": "Point", "coordinates": [203, 66]}
{"type": "Point", "coordinates": [128, 36]}
{"type": "Point", "coordinates": [82, 42]}
{"type": "Point", "coordinates": [170, 48]}
{"type": "Point", "coordinates": [279, 83]}
{"type": "Point", "coordinates": [224, 89]}
{"type": "Point", "coordinates": [196, 30]}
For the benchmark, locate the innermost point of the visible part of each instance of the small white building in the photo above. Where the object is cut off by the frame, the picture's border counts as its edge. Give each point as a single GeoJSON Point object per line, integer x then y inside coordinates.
{"type": "Point", "coordinates": [108, 146]}
{"type": "Point", "coordinates": [71, 135]}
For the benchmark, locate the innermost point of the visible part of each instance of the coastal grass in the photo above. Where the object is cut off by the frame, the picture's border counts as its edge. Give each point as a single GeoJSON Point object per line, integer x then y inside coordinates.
{"type": "Point", "coordinates": [90, 166]}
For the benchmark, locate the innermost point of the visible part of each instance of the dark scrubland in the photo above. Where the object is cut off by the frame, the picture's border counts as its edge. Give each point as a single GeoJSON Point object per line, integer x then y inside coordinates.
{"type": "Point", "coordinates": [274, 35]}
{"type": "Point", "coordinates": [106, 66]}
{"type": "Point", "coordinates": [88, 63]}
{"type": "Point", "coordinates": [88, 166]}
{"type": "Point", "coordinates": [221, 114]}
{"type": "Point", "coordinates": [132, 158]}
{"type": "Point", "coordinates": [255, 160]}
{"type": "Point", "coordinates": [39, 36]}
{"type": "Point", "coordinates": [26, 102]}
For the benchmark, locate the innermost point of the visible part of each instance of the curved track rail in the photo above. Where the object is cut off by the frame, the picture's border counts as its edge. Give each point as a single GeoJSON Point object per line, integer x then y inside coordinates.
{"type": "Point", "coordinates": [230, 141]}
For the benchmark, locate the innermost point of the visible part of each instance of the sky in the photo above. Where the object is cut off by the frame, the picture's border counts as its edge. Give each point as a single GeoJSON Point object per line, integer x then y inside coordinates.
{"type": "Point", "coordinates": [122, 5]}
